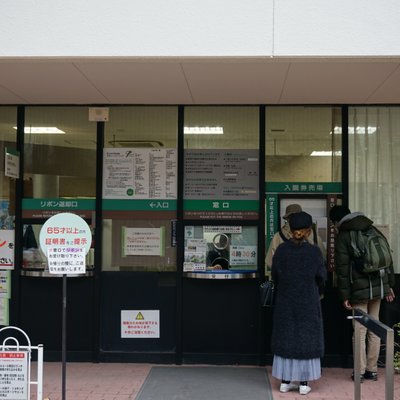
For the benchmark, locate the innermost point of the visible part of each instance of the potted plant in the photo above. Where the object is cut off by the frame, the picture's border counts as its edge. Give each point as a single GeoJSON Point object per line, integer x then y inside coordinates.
{"type": "Point", "coordinates": [396, 360]}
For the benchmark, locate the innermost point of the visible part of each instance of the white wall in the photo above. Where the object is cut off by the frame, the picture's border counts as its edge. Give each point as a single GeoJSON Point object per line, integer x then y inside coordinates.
{"type": "Point", "coordinates": [144, 28]}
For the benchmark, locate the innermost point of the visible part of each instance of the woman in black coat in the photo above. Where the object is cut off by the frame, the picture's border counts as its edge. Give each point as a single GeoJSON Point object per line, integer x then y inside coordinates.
{"type": "Point", "coordinates": [297, 336]}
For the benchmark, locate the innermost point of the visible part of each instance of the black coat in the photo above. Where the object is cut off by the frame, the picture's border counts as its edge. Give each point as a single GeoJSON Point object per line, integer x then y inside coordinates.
{"type": "Point", "coordinates": [298, 270]}
{"type": "Point", "coordinates": [352, 284]}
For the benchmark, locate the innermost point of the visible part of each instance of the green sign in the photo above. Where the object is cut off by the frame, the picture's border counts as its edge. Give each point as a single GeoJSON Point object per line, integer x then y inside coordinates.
{"type": "Point", "coordinates": [58, 204]}
{"type": "Point", "coordinates": [303, 187]}
{"type": "Point", "coordinates": [221, 205]}
{"type": "Point", "coordinates": [271, 214]}
{"type": "Point", "coordinates": [139, 205]}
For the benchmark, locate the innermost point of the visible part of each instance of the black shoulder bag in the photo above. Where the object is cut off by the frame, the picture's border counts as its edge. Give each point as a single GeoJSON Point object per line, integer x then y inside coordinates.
{"type": "Point", "coordinates": [267, 293]}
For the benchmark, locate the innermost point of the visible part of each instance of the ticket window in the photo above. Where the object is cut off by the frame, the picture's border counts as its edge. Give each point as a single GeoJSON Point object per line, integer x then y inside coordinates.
{"type": "Point", "coordinates": [209, 248]}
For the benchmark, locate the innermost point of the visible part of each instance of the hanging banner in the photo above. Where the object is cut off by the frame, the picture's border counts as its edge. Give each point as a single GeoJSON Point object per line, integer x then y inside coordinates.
{"type": "Point", "coordinates": [11, 159]}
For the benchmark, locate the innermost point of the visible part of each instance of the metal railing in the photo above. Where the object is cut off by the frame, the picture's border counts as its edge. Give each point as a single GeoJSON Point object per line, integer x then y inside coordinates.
{"type": "Point", "coordinates": [386, 334]}
{"type": "Point", "coordinates": [11, 344]}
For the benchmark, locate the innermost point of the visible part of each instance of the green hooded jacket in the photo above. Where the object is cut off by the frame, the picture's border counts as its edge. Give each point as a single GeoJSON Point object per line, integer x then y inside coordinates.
{"type": "Point", "coordinates": [353, 285]}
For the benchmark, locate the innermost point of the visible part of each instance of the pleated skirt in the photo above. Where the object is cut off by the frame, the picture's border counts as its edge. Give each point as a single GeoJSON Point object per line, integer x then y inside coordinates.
{"type": "Point", "coordinates": [288, 369]}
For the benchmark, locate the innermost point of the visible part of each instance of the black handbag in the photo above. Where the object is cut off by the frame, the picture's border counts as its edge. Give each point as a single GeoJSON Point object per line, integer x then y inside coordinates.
{"type": "Point", "coordinates": [267, 293]}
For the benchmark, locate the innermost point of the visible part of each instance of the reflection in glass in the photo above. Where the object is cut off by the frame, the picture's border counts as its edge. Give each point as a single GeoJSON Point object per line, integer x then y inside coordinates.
{"type": "Point", "coordinates": [374, 162]}
{"type": "Point", "coordinates": [33, 257]}
{"type": "Point", "coordinates": [148, 135]}
{"type": "Point", "coordinates": [60, 164]}
{"type": "Point", "coordinates": [303, 144]}
{"type": "Point", "coordinates": [220, 247]}
{"type": "Point", "coordinates": [239, 125]}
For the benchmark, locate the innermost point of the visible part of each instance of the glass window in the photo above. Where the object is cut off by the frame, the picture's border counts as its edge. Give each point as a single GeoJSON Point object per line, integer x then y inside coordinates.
{"type": "Point", "coordinates": [303, 144]}
{"type": "Point", "coordinates": [221, 128]}
{"type": "Point", "coordinates": [221, 166]}
{"type": "Point", "coordinates": [374, 181]}
{"type": "Point", "coordinates": [59, 173]}
{"type": "Point", "coordinates": [140, 189]}
{"type": "Point", "coordinates": [209, 248]}
{"type": "Point", "coordinates": [60, 153]}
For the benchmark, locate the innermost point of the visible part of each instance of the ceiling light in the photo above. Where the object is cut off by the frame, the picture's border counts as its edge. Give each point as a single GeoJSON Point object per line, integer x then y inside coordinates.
{"type": "Point", "coordinates": [360, 130]}
{"type": "Point", "coordinates": [203, 130]}
{"type": "Point", "coordinates": [43, 130]}
{"type": "Point", "coordinates": [326, 153]}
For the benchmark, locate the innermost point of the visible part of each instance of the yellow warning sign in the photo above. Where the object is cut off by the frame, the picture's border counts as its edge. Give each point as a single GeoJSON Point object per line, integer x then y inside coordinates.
{"type": "Point", "coordinates": [139, 316]}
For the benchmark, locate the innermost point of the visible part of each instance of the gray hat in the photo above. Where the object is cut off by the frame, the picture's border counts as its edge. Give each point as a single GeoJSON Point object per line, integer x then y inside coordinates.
{"type": "Point", "coordinates": [300, 220]}
{"type": "Point", "coordinates": [291, 209]}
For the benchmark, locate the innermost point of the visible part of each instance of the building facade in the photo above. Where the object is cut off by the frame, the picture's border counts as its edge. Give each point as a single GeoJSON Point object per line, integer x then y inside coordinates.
{"type": "Point", "coordinates": [180, 138]}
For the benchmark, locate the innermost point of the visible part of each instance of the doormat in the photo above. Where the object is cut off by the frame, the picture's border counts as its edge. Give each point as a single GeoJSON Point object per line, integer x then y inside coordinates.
{"type": "Point", "coordinates": [206, 383]}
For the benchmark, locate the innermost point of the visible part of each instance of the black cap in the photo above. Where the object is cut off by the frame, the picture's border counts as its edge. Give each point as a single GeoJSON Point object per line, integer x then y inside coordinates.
{"type": "Point", "coordinates": [300, 220]}
{"type": "Point", "coordinates": [337, 212]}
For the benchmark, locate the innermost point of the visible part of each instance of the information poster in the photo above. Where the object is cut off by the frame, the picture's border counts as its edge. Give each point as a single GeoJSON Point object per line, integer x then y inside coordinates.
{"type": "Point", "coordinates": [66, 260]}
{"type": "Point", "coordinates": [143, 241]}
{"type": "Point", "coordinates": [221, 184]}
{"type": "Point", "coordinates": [6, 249]}
{"type": "Point", "coordinates": [14, 377]}
{"type": "Point", "coordinates": [5, 284]}
{"type": "Point", "coordinates": [221, 174]}
{"type": "Point", "coordinates": [140, 324]}
{"type": "Point", "coordinates": [11, 160]}
{"type": "Point", "coordinates": [130, 173]}
{"type": "Point", "coordinates": [4, 311]}
{"type": "Point", "coordinates": [243, 255]}
{"type": "Point", "coordinates": [195, 255]}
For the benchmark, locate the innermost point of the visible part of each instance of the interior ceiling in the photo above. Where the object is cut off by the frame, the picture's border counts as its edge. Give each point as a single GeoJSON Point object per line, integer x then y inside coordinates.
{"type": "Point", "coordinates": [154, 81]}
{"type": "Point", "coordinates": [191, 81]}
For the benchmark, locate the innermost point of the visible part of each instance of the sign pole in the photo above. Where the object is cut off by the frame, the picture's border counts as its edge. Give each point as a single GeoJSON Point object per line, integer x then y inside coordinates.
{"type": "Point", "coordinates": [64, 335]}
{"type": "Point", "coordinates": [65, 238]}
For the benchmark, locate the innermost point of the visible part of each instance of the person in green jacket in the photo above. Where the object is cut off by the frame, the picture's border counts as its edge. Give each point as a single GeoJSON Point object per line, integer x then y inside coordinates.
{"type": "Point", "coordinates": [358, 289]}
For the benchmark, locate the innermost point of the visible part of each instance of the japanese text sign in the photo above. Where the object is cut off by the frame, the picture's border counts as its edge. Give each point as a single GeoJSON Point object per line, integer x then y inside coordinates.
{"type": "Point", "coordinates": [14, 375]}
{"type": "Point", "coordinates": [65, 239]}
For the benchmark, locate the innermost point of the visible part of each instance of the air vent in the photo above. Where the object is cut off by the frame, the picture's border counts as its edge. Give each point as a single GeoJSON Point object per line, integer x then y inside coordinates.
{"type": "Point", "coordinates": [278, 130]}
{"type": "Point", "coordinates": [136, 143]}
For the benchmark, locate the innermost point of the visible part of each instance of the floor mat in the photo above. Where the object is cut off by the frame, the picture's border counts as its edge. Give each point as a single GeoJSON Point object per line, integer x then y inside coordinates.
{"type": "Point", "coordinates": [206, 383]}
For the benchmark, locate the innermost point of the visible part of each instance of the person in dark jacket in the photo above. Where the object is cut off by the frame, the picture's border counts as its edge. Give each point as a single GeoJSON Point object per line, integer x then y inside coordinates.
{"type": "Point", "coordinates": [357, 289]}
{"type": "Point", "coordinates": [297, 334]}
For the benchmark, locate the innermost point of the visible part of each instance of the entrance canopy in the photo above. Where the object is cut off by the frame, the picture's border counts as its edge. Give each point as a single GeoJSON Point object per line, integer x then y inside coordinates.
{"type": "Point", "coordinates": [192, 80]}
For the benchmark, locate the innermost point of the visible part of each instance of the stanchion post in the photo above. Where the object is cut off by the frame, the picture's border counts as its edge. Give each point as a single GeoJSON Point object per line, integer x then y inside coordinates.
{"type": "Point", "coordinates": [357, 353]}
{"type": "Point", "coordinates": [384, 333]}
{"type": "Point", "coordinates": [389, 386]}
{"type": "Point", "coordinates": [39, 389]}
{"type": "Point", "coordinates": [64, 336]}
